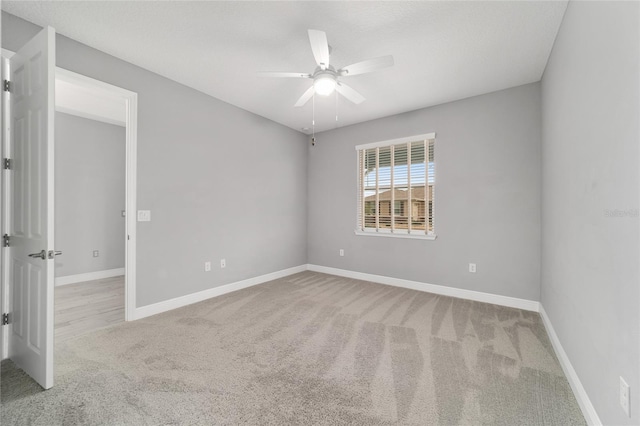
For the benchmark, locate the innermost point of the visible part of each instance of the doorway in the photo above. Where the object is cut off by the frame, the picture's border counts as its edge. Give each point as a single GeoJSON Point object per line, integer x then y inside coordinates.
{"type": "Point", "coordinates": [89, 210]}
{"type": "Point", "coordinates": [111, 112]}
{"type": "Point", "coordinates": [91, 87]}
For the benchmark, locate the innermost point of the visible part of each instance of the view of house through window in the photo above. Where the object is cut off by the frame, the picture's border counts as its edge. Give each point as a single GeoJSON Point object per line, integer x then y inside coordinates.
{"type": "Point", "coordinates": [401, 175]}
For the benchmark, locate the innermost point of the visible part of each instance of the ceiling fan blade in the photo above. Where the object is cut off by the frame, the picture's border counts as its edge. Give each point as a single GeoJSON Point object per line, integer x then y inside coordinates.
{"type": "Point", "coordinates": [349, 93]}
{"type": "Point", "coordinates": [369, 65]}
{"type": "Point", "coordinates": [319, 47]}
{"type": "Point", "coordinates": [305, 97]}
{"type": "Point", "coordinates": [285, 74]}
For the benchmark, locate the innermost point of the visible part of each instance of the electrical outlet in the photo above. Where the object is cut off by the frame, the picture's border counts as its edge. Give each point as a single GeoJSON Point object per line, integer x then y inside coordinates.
{"type": "Point", "coordinates": [472, 268]}
{"type": "Point", "coordinates": [207, 266]}
{"type": "Point", "coordinates": [341, 252]}
{"type": "Point", "coordinates": [123, 213]}
{"type": "Point", "coordinates": [624, 396]}
{"type": "Point", "coordinates": [223, 263]}
{"type": "Point", "coordinates": [96, 253]}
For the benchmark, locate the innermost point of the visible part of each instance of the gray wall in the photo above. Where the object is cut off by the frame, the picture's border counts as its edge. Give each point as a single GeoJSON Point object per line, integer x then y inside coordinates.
{"type": "Point", "coordinates": [90, 195]}
{"type": "Point", "coordinates": [590, 166]}
{"type": "Point", "coordinates": [220, 182]}
{"type": "Point", "coordinates": [487, 197]}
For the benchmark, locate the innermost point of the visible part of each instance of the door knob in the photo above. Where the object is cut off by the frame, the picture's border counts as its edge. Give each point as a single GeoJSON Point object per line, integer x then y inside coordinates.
{"type": "Point", "coordinates": [54, 253]}
{"type": "Point", "coordinates": [42, 255]}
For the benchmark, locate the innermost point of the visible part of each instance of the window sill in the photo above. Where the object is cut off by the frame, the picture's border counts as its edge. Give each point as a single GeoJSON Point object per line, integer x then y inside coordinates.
{"type": "Point", "coordinates": [396, 235]}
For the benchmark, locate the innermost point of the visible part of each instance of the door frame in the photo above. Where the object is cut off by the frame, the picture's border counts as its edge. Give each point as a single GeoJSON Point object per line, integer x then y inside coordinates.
{"type": "Point", "coordinates": [130, 100]}
{"type": "Point", "coordinates": [5, 182]}
{"type": "Point", "coordinates": [131, 131]}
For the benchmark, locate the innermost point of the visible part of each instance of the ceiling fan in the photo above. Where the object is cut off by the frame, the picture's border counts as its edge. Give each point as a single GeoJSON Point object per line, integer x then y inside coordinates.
{"type": "Point", "coordinates": [325, 77]}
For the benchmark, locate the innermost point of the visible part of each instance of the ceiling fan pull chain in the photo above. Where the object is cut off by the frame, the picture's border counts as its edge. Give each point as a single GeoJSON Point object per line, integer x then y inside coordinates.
{"type": "Point", "coordinates": [313, 117]}
{"type": "Point", "coordinates": [336, 108]}
{"type": "Point", "coordinates": [313, 120]}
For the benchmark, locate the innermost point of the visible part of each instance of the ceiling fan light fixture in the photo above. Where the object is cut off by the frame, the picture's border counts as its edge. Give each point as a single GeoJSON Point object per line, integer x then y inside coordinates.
{"type": "Point", "coordinates": [325, 77]}
{"type": "Point", "coordinates": [324, 86]}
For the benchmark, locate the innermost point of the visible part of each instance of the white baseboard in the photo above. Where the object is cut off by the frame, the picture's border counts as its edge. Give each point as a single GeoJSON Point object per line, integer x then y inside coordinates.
{"type": "Point", "coordinates": [589, 412]}
{"type": "Point", "coordinates": [178, 302]}
{"type": "Point", "coordinates": [512, 302]}
{"type": "Point", "coordinates": [90, 276]}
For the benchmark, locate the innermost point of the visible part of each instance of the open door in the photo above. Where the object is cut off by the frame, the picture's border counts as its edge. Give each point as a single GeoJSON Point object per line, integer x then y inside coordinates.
{"type": "Point", "coordinates": [31, 249]}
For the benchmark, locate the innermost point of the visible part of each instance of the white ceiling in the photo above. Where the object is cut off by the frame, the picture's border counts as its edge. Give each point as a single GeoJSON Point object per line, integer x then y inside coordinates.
{"type": "Point", "coordinates": [443, 51]}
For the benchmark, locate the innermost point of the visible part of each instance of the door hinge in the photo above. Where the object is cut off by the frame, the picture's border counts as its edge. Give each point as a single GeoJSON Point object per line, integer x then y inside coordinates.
{"type": "Point", "coordinates": [5, 319]}
{"type": "Point", "coordinates": [7, 86]}
{"type": "Point", "coordinates": [6, 240]}
{"type": "Point", "coordinates": [6, 163]}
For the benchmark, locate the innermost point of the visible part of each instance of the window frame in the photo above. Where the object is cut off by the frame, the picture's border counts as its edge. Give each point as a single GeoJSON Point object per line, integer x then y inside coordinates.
{"type": "Point", "coordinates": [360, 229]}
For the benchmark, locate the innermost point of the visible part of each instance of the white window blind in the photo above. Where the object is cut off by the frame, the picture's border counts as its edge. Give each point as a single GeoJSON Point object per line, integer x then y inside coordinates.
{"type": "Point", "coordinates": [396, 187]}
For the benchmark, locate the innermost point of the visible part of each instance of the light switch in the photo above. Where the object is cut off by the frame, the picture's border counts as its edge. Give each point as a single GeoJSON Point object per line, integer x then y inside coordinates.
{"type": "Point", "coordinates": [144, 215]}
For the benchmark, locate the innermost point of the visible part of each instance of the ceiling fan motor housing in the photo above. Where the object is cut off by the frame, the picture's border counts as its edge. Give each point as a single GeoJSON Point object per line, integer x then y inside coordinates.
{"type": "Point", "coordinates": [325, 76]}
{"type": "Point", "coordinates": [324, 81]}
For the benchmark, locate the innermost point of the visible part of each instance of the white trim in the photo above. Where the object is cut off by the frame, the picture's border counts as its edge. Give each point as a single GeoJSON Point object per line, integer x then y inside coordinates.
{"type": "Point", "coordinates": [178, 302]}
{"type": "Point", "coordinates": [88, 101]}
{"type": "Point", "coordinates": [396, 235]}
{"type": "Point", "coordinates": [6, 53]}
{"type": "Point", "coordinates": [89, 276]}
{"type": "Point", "coordinates": [131, 103]}
{"type": "Point", "coordinates": [91, 84]}
{"type": "Point", "coordinates": [51, 207]}
{"type": "Point", "coordinates": [496, 299]}
{"type": "Point", "coordinates": [589, 412]}
{"type": "Point", "coordinates": [416, 138]}
{"type": "Point", "coordinates": [89, 116]}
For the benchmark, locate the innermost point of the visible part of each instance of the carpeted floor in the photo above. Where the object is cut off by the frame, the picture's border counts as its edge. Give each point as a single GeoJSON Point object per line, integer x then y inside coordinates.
{"type": "Point", "coordinates": [306, 349]}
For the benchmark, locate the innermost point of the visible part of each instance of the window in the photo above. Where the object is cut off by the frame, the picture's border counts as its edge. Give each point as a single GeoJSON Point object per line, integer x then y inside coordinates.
{"type": "Point", "coordinates": [398, 209]}
{"type": "Point", "coordinates": [396, 187]}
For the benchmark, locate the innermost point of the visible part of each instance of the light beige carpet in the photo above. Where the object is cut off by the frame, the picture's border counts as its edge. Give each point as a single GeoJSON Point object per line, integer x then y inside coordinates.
{"type": "Point", "coordinates": [306, 349]}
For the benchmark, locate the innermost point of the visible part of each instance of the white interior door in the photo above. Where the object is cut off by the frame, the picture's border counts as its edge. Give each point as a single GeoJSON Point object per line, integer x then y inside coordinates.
{"type": "Point", "coordinates": [31, 266]}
